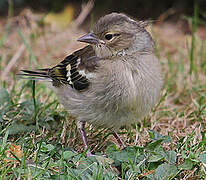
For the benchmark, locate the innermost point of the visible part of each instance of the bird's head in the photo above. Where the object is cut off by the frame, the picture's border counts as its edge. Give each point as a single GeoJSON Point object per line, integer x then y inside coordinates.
{"type": "Point", "coordinates": [115, 34]}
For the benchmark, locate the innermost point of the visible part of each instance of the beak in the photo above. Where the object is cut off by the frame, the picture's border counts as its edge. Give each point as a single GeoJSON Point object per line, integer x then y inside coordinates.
{"type": "Point", "coordinates": [89, 38]}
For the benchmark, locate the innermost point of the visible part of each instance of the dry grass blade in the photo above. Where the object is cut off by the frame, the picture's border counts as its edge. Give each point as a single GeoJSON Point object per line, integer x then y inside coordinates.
{"type": "Point", "coordinates": [12, 62]}
{"type": "Point", "coordinates": [86, 8]}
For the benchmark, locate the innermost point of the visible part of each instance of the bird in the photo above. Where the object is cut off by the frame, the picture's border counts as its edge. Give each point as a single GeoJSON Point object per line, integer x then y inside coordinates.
{"type": "Point", "coordinates": [114, 81]}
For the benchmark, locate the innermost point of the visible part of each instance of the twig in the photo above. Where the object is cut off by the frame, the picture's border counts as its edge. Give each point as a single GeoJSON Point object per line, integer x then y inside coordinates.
{"type": "Point", "coordinates": [165, 15]}
{"type": "Point", "coordinates": [86, 8]}
{"type": "Point", "coordinates": [12, 62]}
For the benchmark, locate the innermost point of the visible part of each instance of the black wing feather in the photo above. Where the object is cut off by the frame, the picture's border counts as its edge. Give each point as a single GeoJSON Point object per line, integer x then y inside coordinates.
{"type": "Point", "coordinates": [67, 71]}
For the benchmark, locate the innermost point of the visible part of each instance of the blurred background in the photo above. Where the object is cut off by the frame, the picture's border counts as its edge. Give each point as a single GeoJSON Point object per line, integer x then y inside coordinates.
{"type": "Point", "coordinates": [136, 8]}
{"type": "Point", "coordinates": [55, 25]}
{"type": "Point", "coordinates": [52, 27]}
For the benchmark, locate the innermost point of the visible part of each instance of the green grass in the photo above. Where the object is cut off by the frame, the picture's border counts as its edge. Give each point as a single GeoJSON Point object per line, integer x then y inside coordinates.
{"type": "Point", "coordinates": [167, 144]}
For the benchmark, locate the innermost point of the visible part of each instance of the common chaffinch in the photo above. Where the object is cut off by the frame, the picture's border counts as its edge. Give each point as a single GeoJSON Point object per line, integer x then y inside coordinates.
{"type": "Point", "coordinates": [113, 81]}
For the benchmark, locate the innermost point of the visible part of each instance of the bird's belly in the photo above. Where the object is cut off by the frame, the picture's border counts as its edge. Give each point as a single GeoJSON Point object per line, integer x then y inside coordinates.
{"type": "Point", "coordinates": [109, 114]}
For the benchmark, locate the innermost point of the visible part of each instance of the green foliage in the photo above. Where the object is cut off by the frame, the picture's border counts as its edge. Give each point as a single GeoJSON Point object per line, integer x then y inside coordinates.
{"type": "Point", "coordinates": [47, 159]}
{"type": "Point", "coordinates": [52, 161]}
{"type": "Point", "coordinates": [21, 117]}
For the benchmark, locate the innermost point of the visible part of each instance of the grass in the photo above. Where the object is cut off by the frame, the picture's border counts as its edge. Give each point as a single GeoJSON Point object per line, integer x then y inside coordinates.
{"type": "Point", "coordinates": [168, 144]}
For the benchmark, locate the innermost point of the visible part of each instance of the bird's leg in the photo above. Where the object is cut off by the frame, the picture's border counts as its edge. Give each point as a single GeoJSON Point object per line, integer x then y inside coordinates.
{"type": "Point", "coordinates": [118, 138]}
{"type": "Point", "coordinates": [80, 126]}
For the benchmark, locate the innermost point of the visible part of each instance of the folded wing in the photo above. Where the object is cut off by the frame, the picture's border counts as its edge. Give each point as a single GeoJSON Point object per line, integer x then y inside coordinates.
{"type": "Point", "coordinates": [74, 70]}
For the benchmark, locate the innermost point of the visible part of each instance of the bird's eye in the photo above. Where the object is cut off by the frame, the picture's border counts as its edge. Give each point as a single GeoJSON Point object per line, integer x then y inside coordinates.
{"type": "Point", "coordinates": [108, 36]}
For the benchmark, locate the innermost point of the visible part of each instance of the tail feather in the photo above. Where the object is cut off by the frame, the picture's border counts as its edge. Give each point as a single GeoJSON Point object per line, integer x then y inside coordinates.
{"type": "Point", "coordinates": [34, 78]}
{"type": "Point", "coordinates": [39, 74]}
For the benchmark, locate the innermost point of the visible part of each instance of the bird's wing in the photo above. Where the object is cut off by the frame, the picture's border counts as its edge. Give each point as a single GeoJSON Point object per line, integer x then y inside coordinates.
{"type": "Point", "coordinates": [75, 70]}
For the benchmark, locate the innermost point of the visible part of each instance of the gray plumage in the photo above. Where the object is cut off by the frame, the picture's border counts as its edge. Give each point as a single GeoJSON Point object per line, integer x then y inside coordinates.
{"type": "Point", "coordinates": [119, 78]}
{"type": "Point", "coordinates": [125, 86]}
{"type": "Point", "coordinates": [120, 94]}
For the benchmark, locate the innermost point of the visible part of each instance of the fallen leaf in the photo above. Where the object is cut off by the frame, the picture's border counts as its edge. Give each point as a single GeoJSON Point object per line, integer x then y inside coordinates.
{"type": "Point", "coordinates": [16, 150]}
